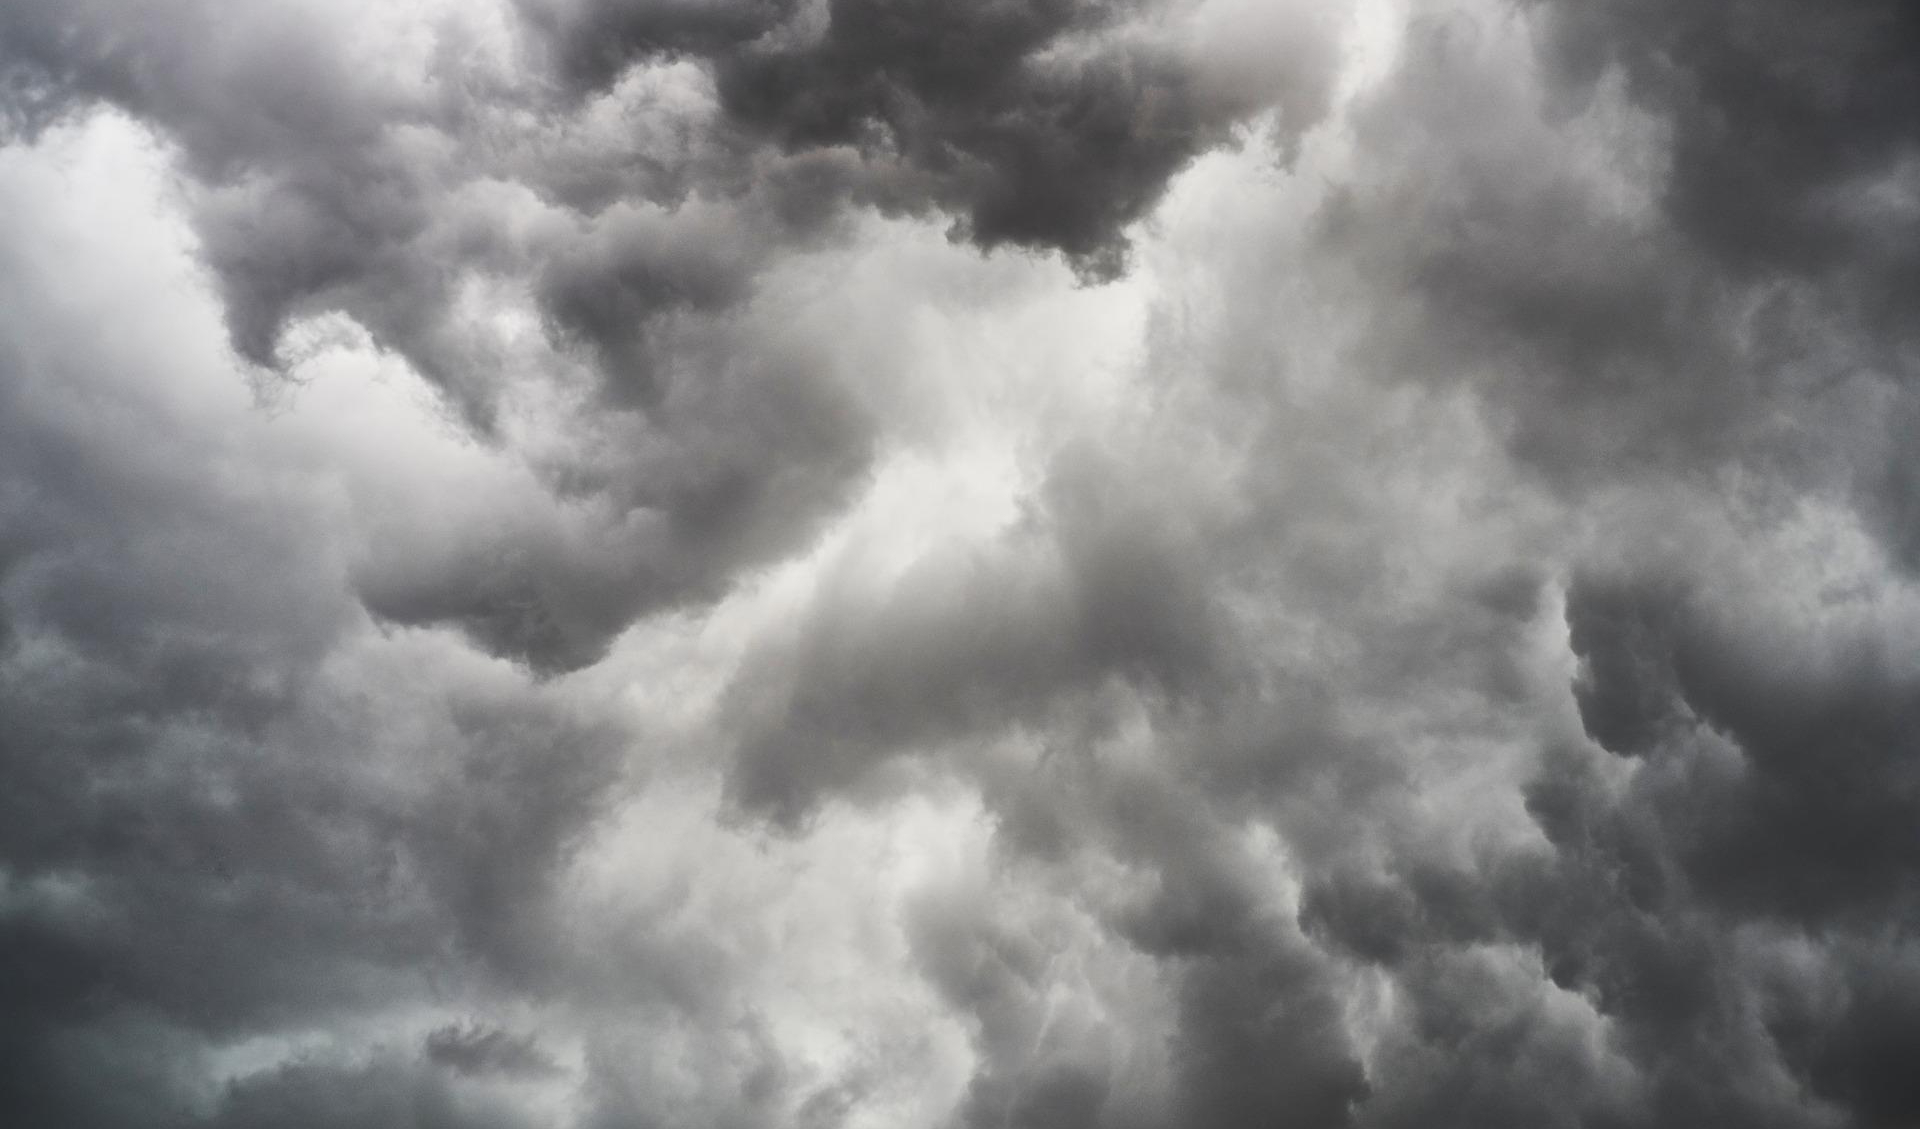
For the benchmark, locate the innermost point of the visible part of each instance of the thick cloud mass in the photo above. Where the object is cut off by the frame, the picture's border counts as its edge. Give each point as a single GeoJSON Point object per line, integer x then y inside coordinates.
{"type": "Point", "coordinates": [818, 563]}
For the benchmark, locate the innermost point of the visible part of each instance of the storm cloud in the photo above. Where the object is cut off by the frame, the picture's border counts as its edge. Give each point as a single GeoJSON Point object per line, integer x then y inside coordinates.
{"type": "Point", "coordinates": [1122, 564]}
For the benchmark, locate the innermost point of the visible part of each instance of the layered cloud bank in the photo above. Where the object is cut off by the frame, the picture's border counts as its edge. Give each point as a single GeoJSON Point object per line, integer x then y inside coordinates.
{"type": "Point", "coordinates": [1066, 563]}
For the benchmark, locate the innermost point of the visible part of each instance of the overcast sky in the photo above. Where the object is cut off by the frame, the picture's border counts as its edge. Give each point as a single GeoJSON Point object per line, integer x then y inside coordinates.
{"type": "Point", "coordinates": [966, 564]}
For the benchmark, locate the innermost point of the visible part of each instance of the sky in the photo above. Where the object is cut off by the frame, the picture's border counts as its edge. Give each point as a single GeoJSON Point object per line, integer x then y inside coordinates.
{"type": "Point", "coordinates": [967, 564]}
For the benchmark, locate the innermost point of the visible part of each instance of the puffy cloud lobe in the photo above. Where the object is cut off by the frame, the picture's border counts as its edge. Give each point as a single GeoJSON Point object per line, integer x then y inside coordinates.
{"type": "Point", "coordinates": [227, 805]}
{"type": "Point", "coordinates": [322, 187]}
{"type": "Point", "coordinates": [1636, 346]}
{"type": "Point", "coordinates": [1691, 919]}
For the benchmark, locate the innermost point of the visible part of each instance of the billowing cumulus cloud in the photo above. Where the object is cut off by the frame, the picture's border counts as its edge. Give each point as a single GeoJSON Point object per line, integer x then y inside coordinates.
{"type": "Point", "coordinates": [854, 563]}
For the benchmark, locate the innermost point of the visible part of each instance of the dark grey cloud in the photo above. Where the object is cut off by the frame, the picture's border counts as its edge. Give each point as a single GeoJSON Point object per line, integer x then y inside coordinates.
{"type": "Point", "coordinates": [1052, 124]}
{"type": "Point", "coordinates": [1715, 295]}
{"type": "Point", "coordinates": [1790, 152]}
{"type": "Point", "coordinates": [1450, 664]}
{"type": "Point", "coordinates": [1741, 810]}
{"type": "Point", "coordinates": [1813, 822]}
{"type": "Point", "coordinates": [593, 41]}
{"type": "Point", "coordinates": [1684, 344]}
{"type": "Point", "coordinates": [477, 1049]}
{"type": "Point", "coordinates": [1790, 124]}
{"type": "Point", "coordinates": [1036, 154]}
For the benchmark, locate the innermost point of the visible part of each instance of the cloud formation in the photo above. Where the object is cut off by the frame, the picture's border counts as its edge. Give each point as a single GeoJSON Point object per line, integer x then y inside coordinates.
{"type": "Point", "coordinates": [1122, 565]}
